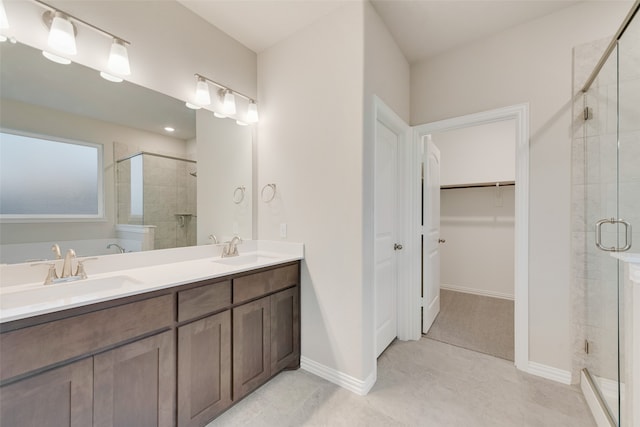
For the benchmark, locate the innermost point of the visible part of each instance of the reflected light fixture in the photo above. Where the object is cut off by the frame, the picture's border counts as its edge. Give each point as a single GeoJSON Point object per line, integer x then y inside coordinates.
{"type": "Point", "coordinates": [62, 33]}
{"type": "Point", "coordinates": [119, 58]}
{"type": "Point", "coordinates": [169, 129]}
{"type": "Point", "coordinates": [241, 123]}
{"type": "Point", "coordinates": [55, 58]}
{"type": "Point", "coordinates": [4, 22]}
{"type": "Point", "coordinates": [252, 112]}
{"type": "Point", "coordinates": [202, 92]}
{"type": "Point", "coordinates": [229, 103]}
{"type": "Point", "coordinates": [192, 106]}
{"type": "Point", "coordinates": [110, 77]}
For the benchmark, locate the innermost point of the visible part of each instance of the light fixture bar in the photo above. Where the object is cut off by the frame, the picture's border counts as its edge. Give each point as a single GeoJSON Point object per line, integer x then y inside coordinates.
{"type": "Point", "coordinates": [83, 22]}
{"type": "Point", "coordinates": [221, 86]}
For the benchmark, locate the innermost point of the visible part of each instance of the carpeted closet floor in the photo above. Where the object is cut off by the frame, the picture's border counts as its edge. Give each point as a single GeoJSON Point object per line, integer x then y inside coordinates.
{"type": "Point", "coordinates": [475, 322]}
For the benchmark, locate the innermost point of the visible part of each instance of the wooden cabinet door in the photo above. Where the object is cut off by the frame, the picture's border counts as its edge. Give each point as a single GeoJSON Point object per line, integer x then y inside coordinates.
{"type": "Point", "coordinates": [251, 346]}
{"type": "Point", "coordinates": [204, 369]}
{"type": "Point", "coordinates": [60, 397]}
{"type": "Point", "coordinates": [285, 330]}
{"type": "Point", "coordinates": [134, 385]}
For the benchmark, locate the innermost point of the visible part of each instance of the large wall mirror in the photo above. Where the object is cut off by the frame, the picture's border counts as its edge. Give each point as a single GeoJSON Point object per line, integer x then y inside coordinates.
{"type": "Point", "coordinates": [161, 188]}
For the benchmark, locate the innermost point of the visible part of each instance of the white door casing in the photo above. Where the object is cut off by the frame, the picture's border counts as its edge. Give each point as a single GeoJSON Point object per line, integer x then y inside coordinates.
{"type": "Point", "coordinates": [431, 234]}
{"type": "Point", "coordinates": [385, 236]}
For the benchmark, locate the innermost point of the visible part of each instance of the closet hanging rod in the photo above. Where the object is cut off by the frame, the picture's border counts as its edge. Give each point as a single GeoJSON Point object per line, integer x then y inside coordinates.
{"type": "Point", "coordinates": [483, 185]}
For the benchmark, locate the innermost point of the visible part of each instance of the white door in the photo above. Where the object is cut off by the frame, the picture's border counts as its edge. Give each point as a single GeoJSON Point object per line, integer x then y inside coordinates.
{"type": "Point", "coordinates": [431, 235]}
{"type": "Point", "coordinates": [385, 219]}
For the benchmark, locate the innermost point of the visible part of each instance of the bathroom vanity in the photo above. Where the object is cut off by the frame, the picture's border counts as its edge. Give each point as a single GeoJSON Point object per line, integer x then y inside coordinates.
{"type": "Point", "coordinates": [179, 355]}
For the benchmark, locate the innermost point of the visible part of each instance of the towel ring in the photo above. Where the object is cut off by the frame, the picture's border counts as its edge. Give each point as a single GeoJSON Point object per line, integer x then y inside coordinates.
{"type": "Point", "coordinates": [238, 195]}
{"type": "Point", "coordinates": [268, 198]}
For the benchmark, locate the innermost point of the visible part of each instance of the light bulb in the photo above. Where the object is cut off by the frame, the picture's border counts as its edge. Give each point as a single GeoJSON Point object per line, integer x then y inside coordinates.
{"type": "Point", "coordinates": [55, 58]}
{"type": "Point", "coordinates": [202, 92]}
{"type": "Point", "coordinates": [119, 58]}
{"type": "Point", "coordinates": [252, 112]}
{"type": "Point", "coordinates": [4, 22]}
{"type": "Point", "coordinates": [62, 35]}
{"type": "Point", "coordinates": [229, 104]}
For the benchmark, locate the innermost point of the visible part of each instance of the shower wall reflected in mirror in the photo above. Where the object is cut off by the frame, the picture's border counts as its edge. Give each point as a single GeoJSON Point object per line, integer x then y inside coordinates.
{"type": "Point", "coordinates": [159, 192]}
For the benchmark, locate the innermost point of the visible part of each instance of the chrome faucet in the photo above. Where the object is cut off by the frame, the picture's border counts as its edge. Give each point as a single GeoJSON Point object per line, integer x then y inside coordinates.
{"type": "Point", "coordinates": [66, 267]}
{"type": "Point", "coordinates": [231, 248]}
{"type": "Point", "coordinates": [120, 248]}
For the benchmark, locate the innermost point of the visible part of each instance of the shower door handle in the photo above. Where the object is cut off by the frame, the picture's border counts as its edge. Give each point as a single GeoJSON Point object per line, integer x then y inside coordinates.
{"type": "Point", "coordinates": [627, 235]}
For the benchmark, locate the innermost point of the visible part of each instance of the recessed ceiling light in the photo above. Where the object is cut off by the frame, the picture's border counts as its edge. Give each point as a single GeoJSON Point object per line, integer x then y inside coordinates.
{"type": "Point", "coordinates": [169, 129]}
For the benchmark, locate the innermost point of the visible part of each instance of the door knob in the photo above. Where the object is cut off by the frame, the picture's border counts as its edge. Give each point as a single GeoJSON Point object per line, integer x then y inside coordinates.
{"type": "Point", "coordinates": [397, 247]}
{"type": "Point", "coordinates": [441, 240]}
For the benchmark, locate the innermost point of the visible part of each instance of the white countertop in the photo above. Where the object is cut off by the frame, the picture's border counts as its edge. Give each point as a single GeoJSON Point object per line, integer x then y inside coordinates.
{"type": "Point", "coordinates": [116, 276]}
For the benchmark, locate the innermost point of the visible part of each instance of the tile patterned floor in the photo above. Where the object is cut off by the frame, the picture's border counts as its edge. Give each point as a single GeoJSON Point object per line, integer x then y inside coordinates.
{"type": "Point", "coordinates": [420, 383]}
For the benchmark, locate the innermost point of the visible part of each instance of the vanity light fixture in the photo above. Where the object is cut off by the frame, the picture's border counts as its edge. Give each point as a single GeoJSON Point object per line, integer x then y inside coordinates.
{"type": "Point", "coordinates": [241, 123]}
{"type": "Point", "coordinates": [229, 103]}
{"type": "Point", "coordinates": [62, 39]}
{"type": "Point", "coordinates": [119, 58]}
{"type": "Point", "coordinates": [4, 22]}
{"type": "Point", "coordinates": [111, 77]}
{"type": "Point", "coordinates": [252, 112]}
{"type": "Point", "coordinates": [192, 106]}
{"type": "Point", "coordinates": [228, 100]}
{"type": "Point", "coordinates": [62, 32]}
{"type": "Point", "coordinates": [56, 58]}
{"type": "Point", "coordinates": [202, 92]}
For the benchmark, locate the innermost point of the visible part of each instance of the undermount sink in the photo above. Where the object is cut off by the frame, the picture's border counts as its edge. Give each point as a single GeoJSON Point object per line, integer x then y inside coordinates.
{"type": "Point", "coordinates": [79, 290]}
{"type": "Point", "coordinates": [246, 259]}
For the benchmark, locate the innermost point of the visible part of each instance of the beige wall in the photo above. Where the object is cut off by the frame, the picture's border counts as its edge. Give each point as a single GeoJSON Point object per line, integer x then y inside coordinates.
{"type": "Point", "coordinates": [529, 63]}
{"type": "Point", "coordinates": [310, 146]}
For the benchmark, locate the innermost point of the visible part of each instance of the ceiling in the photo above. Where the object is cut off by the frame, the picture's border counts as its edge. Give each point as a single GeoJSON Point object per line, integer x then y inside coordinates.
{"type": "Point", "coordinates": [422, 28]}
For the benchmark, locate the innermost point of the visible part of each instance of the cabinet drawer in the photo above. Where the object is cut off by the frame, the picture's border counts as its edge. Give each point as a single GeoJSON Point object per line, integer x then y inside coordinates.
{"type": "Point", "coordinates": [35, 347]}
{"type": "Point", "coordinates": [203, 299]}
{"type": "Point", "coordinates": [256, 285]}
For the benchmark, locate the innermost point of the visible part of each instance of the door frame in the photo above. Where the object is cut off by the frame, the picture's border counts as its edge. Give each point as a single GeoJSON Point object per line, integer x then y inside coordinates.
{"type": "Point", "coordinates": [410, 309]}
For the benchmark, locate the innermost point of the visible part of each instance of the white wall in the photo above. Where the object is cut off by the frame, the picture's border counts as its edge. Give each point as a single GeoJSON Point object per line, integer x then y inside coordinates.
{"type": "Point", "coordinates": [310, 146]}
{"type": "Point", "coordinates": [315, 143]}
{"type": "Point", "coordinates": [477, 225]}
{"type": "Point", "coordinates": [38, 120]}
{"type": "Point", "coordinates": [529, 63]}
{"type": "Point", "coordinates": [477, 154]}
{"type": "Point", "coordinates": [225, 154]}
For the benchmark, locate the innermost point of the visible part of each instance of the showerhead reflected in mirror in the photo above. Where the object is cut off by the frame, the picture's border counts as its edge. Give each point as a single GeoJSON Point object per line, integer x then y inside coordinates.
{"type": "Point", "coordinates": [73, 103]}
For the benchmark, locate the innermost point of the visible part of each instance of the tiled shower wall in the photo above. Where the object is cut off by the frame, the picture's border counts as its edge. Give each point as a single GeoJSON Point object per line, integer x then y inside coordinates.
{"type": "Point", "coordinates": [169, 191]}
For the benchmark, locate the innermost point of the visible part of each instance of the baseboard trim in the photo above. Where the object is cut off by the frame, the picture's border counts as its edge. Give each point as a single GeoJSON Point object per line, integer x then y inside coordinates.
{"type": "Point", "coordinates": [594, 402]}
{"type": "Point", "coordinates": [480, 292]}
{"type": "Point", "coordinates": [549, 372]}
{"type": "Point", "coordinates": [341, 379]}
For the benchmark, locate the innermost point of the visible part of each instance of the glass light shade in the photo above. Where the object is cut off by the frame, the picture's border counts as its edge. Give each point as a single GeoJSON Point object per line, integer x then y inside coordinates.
{"type": "Point", "coordinates": [219, 115]}
{"type": "Point", "coordinates": [229, 104]}
{"type": "Point", "coordinates": [55, 58]}
{"type": "Point", "coordinates": [202, 92]}
{"type": "Point", "coordinates": [252, 113]}
{"type": "Point", "coordinates": [62, 35]}
{"type": "Point", "coordinates": [110, 77]}
{"type": "Point", "coordinates": [241, 123]}
{"type": "Point", "coordinates": [119, 58]}
{"type": "Point", "coordinates": [192, 106]}
{"type": "Point", "coordinates": [4, 22]}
